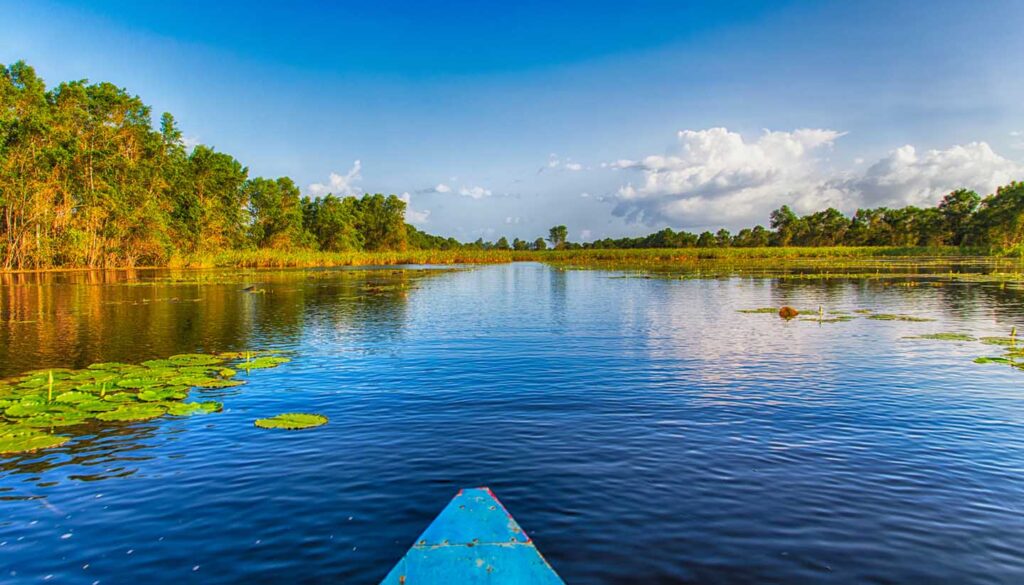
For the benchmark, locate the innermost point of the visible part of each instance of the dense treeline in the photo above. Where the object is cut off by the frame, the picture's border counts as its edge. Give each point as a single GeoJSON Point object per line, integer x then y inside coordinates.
{"type": "Point", "coordinates": [962, 218]}
{"type": "Point", "coordinates": [86, 180]}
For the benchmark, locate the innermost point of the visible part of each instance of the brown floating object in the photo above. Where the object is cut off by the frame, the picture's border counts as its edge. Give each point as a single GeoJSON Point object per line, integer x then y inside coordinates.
{"type": "Point", "coordinates": [788, 312]}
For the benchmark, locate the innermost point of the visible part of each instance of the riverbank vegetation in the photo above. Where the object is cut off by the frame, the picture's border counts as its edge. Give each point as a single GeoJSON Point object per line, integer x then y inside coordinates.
{"type": "Point", "coordinates": [87, 181]}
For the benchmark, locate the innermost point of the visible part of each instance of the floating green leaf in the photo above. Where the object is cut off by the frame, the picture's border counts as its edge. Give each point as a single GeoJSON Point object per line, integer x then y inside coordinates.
{"type": "Point", "coordinates": [194, 359]}
{"type": "Point", "coordinates": [264, 362]}
{"type": "Point", "coordinates": [56, 419]}
{"type": "Point", "coordinates": [944, 337]}
{"type": "Point", "coordinates": [24, 440]}
{"type": "Point", "coordinates": [73, 397]}
{"type": "Point", "coordinates": [292, 420]}
{"type": "Point", "coordinates": [992, 360]}
{"type": "Point", "coordinates": [25, 408]}
{"type": "Point", "coordinates": [161, 394]}
{"type": "Point", "coordinates": [891, 317]}
{"type": "Point", "coordinates": [137, 383]}
{"type": "Point", "coordinates": [158, 363]}
{"type": "Point", "coordinates": [999, 340]}
{"type": "Point", "coordinates": [761, 310]}
{"type": "Point", "coordinates": [133, 412]}
{"type": "Point", "coordinates": [190, 408]}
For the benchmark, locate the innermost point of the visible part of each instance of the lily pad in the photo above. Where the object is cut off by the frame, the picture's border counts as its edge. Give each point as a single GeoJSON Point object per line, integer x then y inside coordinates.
{"type": "Point", "coordinates": [97, 406]}
{"type": "Point", "coordinates": [158, 363]}
{"type": "Point", "coordinates": [208, 382]}
{"type": "Point", "coordinates": [264, 363]}
{"type": "Point", "coordinates": [999, 340]}
{"type": "Point", "coordinates": [194, 359]}
{"type": "Point", "coordinates": [891, 317]}
{"type": "Point", "coordinates": [137, 383]}
{"type": "Point", "coordinates": [55, 419]}
{"type": "Point", "coordinates": [161, 394]}
{"type": "Point", "coordinates": [107, 366]}
{"type": "Point", "coordinates": [133, 412]}
{"type": "Point", "coordinates": [120, 397]}
{"type": "Point", "coordinates": [25, 408]}
{"type": "Point", "coordinates": [292, 421]}
{"type": "Point", "coordinates": [944, 337]}
{"type": "Point", "coordinates": [190, 408]}
{"type": "Point", "coordinates": [762, 310]}
{"type": "Point", "coordinates": [74, 397]}
{"type": "Point", "coordinates": [25, 440]}
{"type": "Point", "coordinates": [992, 360]}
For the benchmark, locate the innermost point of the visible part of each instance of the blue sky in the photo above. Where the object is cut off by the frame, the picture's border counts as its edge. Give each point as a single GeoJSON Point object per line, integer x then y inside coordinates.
{"type": "Point", "coordinates": [612, 118]}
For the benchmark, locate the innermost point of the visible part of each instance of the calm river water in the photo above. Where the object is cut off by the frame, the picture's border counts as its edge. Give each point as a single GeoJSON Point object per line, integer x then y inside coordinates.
{"type": "Point", "coordinates": [641, 430]}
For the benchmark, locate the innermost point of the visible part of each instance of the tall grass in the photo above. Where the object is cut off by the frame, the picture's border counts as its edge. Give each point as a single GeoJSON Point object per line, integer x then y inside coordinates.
{"type": "Point", "coordinates": [668, 256]}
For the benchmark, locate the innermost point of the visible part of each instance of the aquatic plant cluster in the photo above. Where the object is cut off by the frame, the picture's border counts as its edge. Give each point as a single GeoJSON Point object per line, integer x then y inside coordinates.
{"type": "Point", "coordinates": [1014, 355]}
{"type": "Point", "coordinates": [34, 405]}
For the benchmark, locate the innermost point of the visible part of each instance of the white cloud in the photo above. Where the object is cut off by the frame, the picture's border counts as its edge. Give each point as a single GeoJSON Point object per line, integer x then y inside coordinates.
{"type": "Point", "coordinates": [512, 220]}
{"type": "Point", "coordinates": [341, 185]}
{"type": "Point", "coordinates": [716, 177]}
{"type": "Point", "coordinates": [411, 215]}
{"type": "Point", "coordinates": [475, 192]}
{"type": "Point", "coordinates": [556, 163]}
{"type": "Point", "coordinates": [906, 177]}
{"type": "Point", "coordinates": [585, 234]}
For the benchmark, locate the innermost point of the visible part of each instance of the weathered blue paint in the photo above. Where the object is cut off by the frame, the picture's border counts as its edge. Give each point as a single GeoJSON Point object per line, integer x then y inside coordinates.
{"type": "Point", "coordinates": [473, 541]}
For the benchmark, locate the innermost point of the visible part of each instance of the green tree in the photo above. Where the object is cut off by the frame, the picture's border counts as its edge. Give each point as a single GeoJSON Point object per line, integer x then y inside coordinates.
{"type": "Point", "coordinates": [540, 244]}
{"type": "Point", "coordinates": [332, 221]}
{"type": "Point", "coordinates": [557, 236]}
{"type": "Point", "coordinates": [275, 211]}
{"type": "Point", "coordinates": [957, 209]}
{"type": "Point", "coordinates": [382, 222]}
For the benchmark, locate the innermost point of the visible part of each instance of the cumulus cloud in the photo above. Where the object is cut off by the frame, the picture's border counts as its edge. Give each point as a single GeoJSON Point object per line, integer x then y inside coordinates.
{"type": "Point", "coordinates": [476, 192]}
{"type": "Point", "coordinates": [414, 216]}
{"type": "Point", "coordinates": [906, 177]}
{"type": "Point", "coordinates": [341, 185]}
{"type": "Point", "coordinates": [716, 177]}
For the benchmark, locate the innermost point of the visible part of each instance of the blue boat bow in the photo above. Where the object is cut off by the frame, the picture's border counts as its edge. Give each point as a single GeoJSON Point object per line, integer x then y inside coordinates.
{"type": "Point", "coordinates": [473, 541]}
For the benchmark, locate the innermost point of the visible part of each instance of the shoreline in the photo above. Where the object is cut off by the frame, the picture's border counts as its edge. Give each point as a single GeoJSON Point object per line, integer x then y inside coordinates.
{"type": "Point", "coordinates": [258, 259]}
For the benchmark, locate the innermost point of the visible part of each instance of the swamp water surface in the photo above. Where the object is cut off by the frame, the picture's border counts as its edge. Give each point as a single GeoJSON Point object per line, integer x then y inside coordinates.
{"type": "Point", "coordinates": [640, 430]}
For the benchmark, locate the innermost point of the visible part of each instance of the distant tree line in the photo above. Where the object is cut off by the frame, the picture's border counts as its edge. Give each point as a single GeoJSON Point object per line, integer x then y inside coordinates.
{"type": "Point", "coordinates": [87, 181]}
{"type": "Point", "coordinates": [962, 218]}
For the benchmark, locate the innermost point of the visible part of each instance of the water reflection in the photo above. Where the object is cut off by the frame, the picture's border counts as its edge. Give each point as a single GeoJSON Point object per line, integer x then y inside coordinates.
{"type": "Point", "coordinates": [680, 440]}
{"type": "Point", "coordinates": [72, 319]}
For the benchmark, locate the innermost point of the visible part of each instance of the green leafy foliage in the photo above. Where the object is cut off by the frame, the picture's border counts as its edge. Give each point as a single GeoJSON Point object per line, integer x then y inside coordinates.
{"type": "Point", "coordinates": [945, 337]}
{"type": "Point", "coordinates": [48, 399]}
{"type": "Point", "coordinates": [21, 440]}
{"type": "Point", "coordinates": [892, 317]}
{"type": "Point", "coordinates": [292, 421]}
